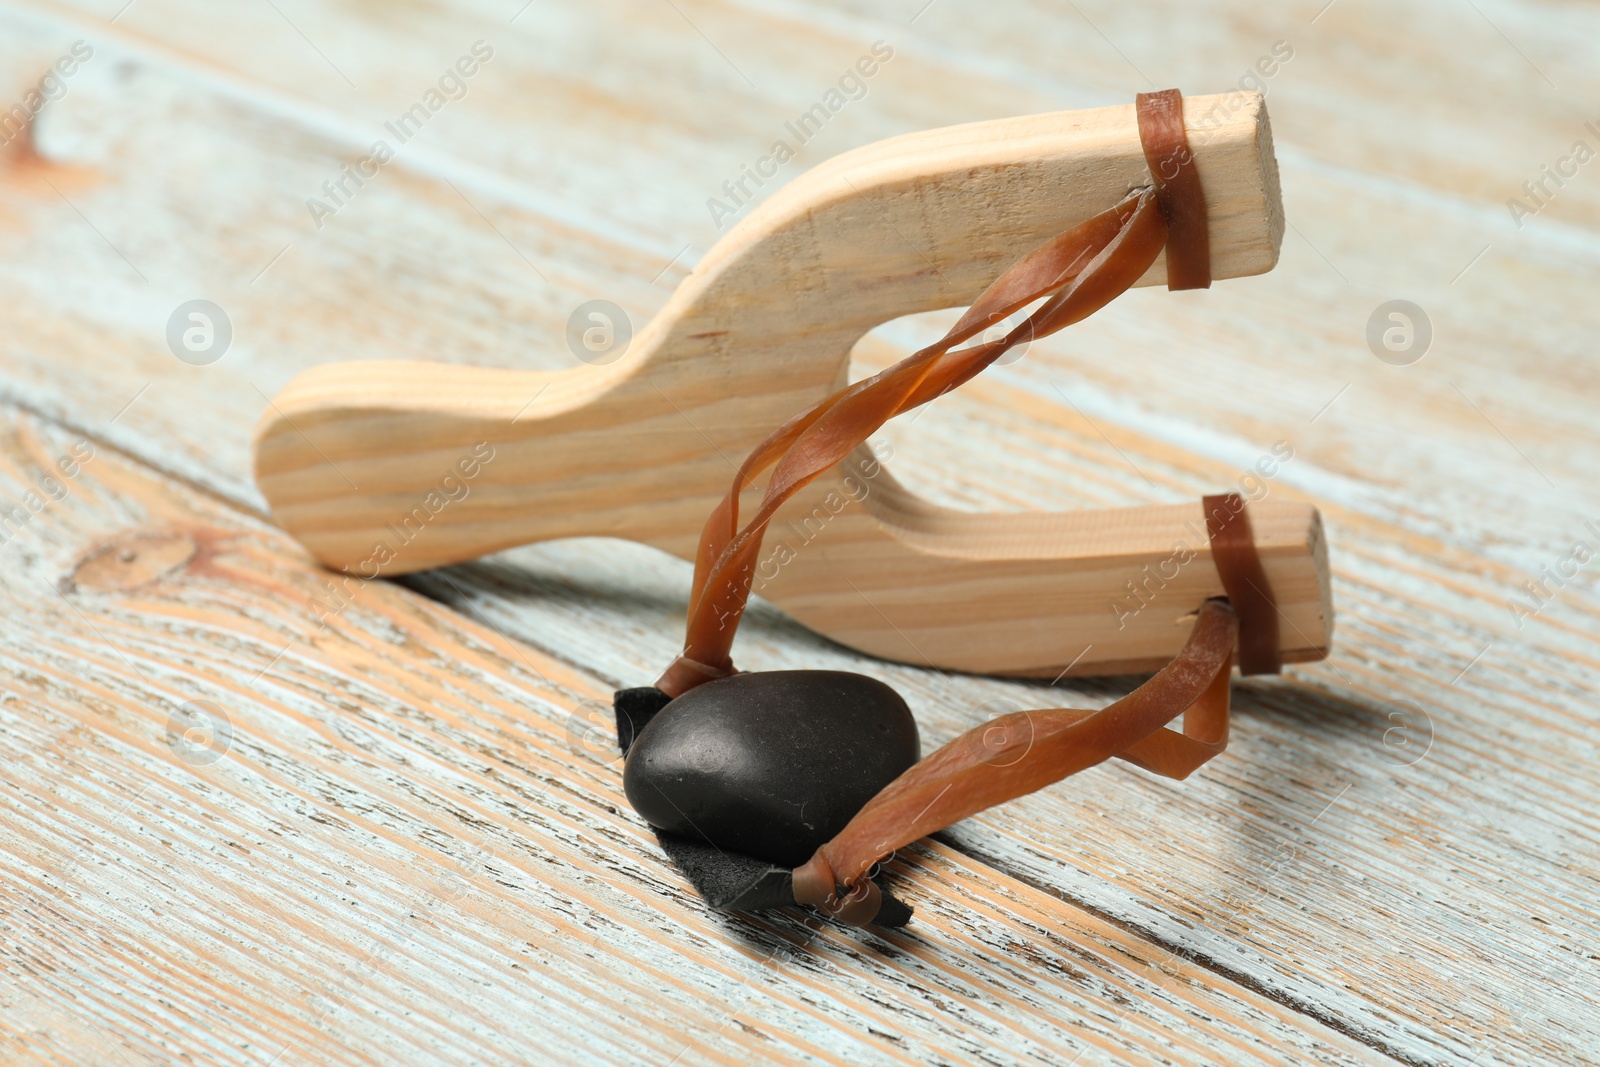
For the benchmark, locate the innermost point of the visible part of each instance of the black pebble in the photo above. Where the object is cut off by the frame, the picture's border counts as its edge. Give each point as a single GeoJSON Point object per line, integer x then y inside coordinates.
{"type": "Point", "coordinates": [771, 764]}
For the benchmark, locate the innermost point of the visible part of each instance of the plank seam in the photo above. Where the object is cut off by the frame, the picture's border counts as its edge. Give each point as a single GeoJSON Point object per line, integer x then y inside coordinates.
{"type": "Point", "coordinates": [65, 422]}
{"type": "Point", "coordinates": [1243, 979]}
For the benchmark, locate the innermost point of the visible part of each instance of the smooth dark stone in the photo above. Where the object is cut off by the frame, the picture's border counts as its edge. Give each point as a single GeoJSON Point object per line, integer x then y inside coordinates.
{"type": "Point", "coordinates": [772, 764]}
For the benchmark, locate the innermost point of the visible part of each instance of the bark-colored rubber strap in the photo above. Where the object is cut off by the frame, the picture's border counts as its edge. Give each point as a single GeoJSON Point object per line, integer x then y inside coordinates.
{"type": "Point", "coordinates": [1183, 201]}
{"type": "Point", "coordinates": [1233, 550]}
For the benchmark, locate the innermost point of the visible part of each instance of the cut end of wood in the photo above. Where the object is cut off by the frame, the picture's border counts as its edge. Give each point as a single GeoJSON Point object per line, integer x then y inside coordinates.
{"type": "Point", "coordinates": [1276, 219]}
{"type": "Point", "coordinates": [1240, 177]}
{"type": "Point", "coordinates": [1230, 135]}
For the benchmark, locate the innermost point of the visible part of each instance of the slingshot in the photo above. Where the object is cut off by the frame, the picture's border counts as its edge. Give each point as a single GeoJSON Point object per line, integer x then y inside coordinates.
{"type": "Point", "coordinates": [752, 351]}
{"type": "Point", "coordinates": [762, 329]}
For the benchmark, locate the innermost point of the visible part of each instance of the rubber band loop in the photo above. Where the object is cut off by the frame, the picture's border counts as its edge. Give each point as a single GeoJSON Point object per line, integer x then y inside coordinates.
{"type": "Point", "coordinates": [1233, 550]}
{"type": "Point", "coordinates": [1183, 200]}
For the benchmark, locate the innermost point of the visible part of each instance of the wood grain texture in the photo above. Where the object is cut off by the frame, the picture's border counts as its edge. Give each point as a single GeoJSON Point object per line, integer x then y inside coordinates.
{"type": "Point", "coordinates": [403, 839]}
{"type": "Point", "coordinates": [351, 456]}
{"type": "Point", "coordinates": [1440, 911]}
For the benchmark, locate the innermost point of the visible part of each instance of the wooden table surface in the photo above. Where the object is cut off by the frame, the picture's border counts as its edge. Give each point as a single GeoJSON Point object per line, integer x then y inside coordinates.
{"type": "Point", "coordinates": [406, 840]}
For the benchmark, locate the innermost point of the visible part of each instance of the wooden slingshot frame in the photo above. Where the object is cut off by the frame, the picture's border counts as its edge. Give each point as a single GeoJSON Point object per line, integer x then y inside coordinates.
{"type": "Point", "coordinates": [764, 327]}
